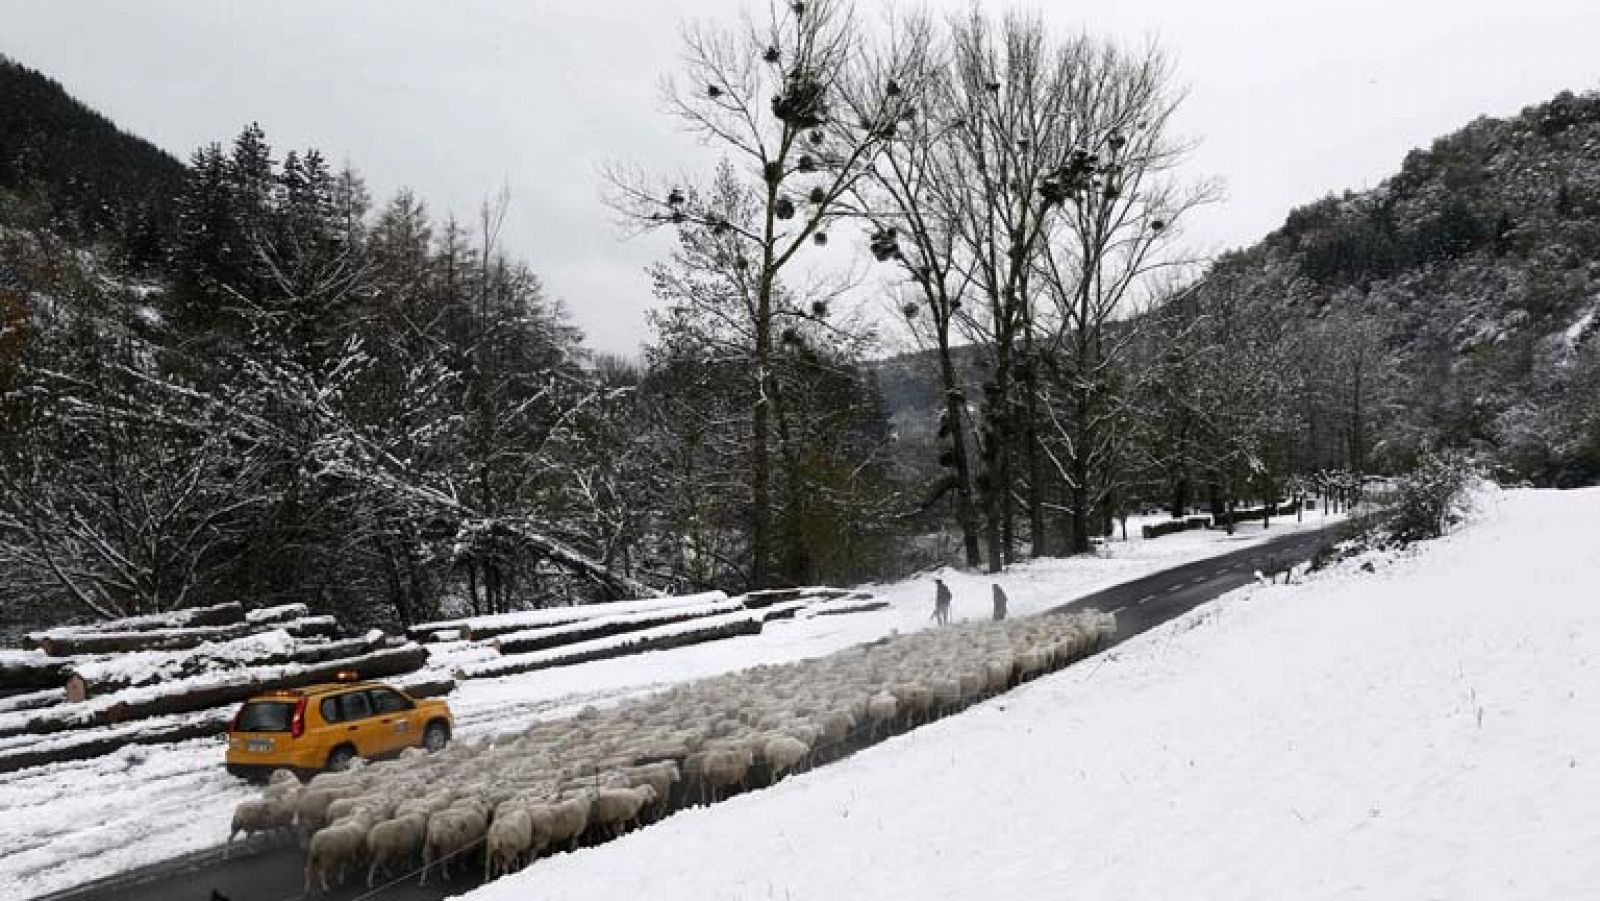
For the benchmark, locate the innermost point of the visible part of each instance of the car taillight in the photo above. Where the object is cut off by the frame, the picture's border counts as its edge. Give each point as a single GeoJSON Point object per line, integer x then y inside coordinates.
{"type": "Point", "coordinates": [297, 726]}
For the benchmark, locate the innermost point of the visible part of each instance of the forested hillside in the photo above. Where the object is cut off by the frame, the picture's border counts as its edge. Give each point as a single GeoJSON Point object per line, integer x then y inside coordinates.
{"type": "Point", "coordinates": [66, 167]}
{"type": "Point", "coordinates": [1455, 305]}
{"type": "Point", "coordinates": [1474, 276]}
{"type": "Point", "coordinates": [243, 379]}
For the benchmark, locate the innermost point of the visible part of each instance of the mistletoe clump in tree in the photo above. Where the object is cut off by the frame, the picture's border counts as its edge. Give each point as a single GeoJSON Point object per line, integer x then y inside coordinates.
{"type": "Point", "coordinates": [784, 101]}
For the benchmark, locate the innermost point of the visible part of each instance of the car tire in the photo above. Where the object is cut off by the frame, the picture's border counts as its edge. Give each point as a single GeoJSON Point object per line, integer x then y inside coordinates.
{"type": "Point", "coordinates": [435, 737]}
{"type": "Point", "coordinates": [339, 758]}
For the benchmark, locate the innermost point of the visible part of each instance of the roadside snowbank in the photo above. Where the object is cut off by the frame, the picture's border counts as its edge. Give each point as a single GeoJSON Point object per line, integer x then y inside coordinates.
{"type": "Point", "coordinates": [1426, 730]}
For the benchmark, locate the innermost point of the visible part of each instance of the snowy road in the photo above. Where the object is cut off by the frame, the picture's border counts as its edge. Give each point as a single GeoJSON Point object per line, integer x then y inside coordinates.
{"type": "Point", "coordinates": [275, 875]}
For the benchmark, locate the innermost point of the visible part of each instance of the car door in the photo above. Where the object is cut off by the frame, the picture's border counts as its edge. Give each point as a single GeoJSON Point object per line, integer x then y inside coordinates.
{"type": "Point", "coordinates": [358, 726]}
{"type": "Point", "coordinates": [395, 716]}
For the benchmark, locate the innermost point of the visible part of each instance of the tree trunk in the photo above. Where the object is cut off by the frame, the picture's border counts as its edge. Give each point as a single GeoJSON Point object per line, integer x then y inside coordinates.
{"type": "Point", "coordinates": [1008, 503]}
{"type": "Point", "coordinates": [1029, 384]}
{"type": "Point", "coordinates": [1080, 514]}
{"type": "Point", "coordinates": [397, 595]}
{"type": "Point", "coordinates": [956, 415]}
{"type": "Point", "coordinates": [760, 426]}
{"type": "Point", "coordinates": [991, 499]}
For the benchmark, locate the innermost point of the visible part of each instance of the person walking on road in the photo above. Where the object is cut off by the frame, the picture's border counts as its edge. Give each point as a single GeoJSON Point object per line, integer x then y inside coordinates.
{"type": "Point", "coordinates": [999, 602]}
{"type": "Point", "coordinates": [941, 602]}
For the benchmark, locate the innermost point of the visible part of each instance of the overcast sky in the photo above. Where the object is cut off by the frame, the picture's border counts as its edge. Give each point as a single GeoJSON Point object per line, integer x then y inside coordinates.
{"type": "Point", "coordinates": [1291, 99]}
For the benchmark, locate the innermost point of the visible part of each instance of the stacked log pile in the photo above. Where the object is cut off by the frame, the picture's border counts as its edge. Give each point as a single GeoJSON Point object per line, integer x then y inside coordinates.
{"type": "Point", "coordinates": [508, 644]}
{"type": "Point", "coordinates": [84, 690]}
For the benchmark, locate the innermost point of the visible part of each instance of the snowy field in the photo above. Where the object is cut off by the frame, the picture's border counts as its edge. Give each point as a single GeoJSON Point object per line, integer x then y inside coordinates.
{"type": "Point", "coordinates": [1426, 730]}
{"type": "Point", "coordinates": [73, 822]}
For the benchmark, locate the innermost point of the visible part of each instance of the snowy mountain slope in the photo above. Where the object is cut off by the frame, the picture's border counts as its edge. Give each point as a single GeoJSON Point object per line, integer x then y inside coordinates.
{"type": "Point", "coordinates": [150, 804]}
{"type": "Point", "coordinates": [1427, 730]}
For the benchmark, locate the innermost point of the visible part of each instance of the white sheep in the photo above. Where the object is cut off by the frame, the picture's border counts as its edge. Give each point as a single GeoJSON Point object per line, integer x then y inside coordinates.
{"type": "Point", "coordinates": [396, 841]}
{"type": "Point", "coordinates": [451, 832]}
{"type": "Point", "coordinates": [280, 781]}
{"type": "Point", "coordinates": [311, 807]}
{"type": "Point", "coordinates": [881, 711]}
{"type": "Point", "coordinates": [661, 776]}
{"type": "Point", "coordinates": [569, 820]}
{"type": "Point", "coordinates": [999, 673]}
{"type": "Point", "coordinates": [510, 836]}
{"type": "Point", "coordinates": [722, 769]}
{"type": "Point", "coordinates": [335, 847]}
{"type": "Point", "coordinates": [783, 753]}
{"type": "Point", "coordinates": [617, 808]}
{"type": "Point", "coordinates": [261, 815]}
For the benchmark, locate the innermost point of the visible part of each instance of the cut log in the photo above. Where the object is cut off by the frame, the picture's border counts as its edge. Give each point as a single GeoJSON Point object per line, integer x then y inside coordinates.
{"type": "Point", "coordinates": [211, 690]}
{"type": "Point", "coordinates": [313, 627]}
{"type": "Point", "coordinates": [837, 608]}
{"type": "Point", "coordinates": [431, 686]}
{"type": "Point", "coordinates": [124, 642]}
{"type": "Point", "coordinates": [98, 742]}
{"type": "Point", "coordinates": [33, 700]}
{"type": "Point", "coordinates": [280, 614]}
{"type": "Point", "coordinates": [667, 637]}
{"type": "Point", "coordinates": [479, 628]}
{"type": "Point", "coordinates": [605, 627]}
{"type": "Point", "coordinates": [31, 671]}
{"type": "Point", "coordinates": [104, 676]}
{"type": "Point", "coordinates": [180, 639]}
{"type": "Point", "coordinates": [219, 615]}
{"type": "Point", "coordinates": [370, 666]}
{"type": "Point", "coordinates": [784, 610]}
{"type": "Point", "coordinates": [756, 600]}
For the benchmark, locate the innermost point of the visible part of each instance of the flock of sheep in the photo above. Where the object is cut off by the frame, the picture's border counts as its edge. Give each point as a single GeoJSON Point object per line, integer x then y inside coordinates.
{"type": "Point", "coordinates": [591, 777]}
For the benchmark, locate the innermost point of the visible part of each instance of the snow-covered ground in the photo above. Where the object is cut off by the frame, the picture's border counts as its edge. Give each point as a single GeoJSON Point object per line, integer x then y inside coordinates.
{"type": "Point", "coordinates": [1427, 729]}
{"type": "Point", "coordinates": [70, 823]}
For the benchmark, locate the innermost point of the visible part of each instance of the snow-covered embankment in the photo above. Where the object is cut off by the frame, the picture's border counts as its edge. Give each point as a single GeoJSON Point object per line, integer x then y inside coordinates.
{"type": "Point", "coordinates": [1427, 730]}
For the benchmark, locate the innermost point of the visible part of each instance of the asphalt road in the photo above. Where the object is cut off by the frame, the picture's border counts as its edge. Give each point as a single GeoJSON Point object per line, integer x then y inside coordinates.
{"type": "Point", "coordinates": [271, 871]}
{"type": "Point", "coordinates": [1145, 603]}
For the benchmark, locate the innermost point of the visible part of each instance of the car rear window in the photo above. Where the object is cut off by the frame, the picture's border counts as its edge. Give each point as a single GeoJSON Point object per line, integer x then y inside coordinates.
{"type": "Point", "coordinates": [265, 716]}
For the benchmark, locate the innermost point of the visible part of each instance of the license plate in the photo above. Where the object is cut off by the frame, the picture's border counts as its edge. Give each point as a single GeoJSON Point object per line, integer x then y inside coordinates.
{"type": "Point", "coordinates": [258, 744]}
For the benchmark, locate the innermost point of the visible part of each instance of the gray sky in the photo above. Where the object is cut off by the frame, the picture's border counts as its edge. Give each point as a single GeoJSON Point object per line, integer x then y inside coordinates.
{"type": "Point", "coordinates": [1290, 98]}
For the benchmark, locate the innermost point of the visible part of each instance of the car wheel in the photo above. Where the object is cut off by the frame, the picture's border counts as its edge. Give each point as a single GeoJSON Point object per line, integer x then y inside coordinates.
{"type": "Point", "coordinates": [339, 758]}
{"type": "Point", "coordinates": [435, 737]}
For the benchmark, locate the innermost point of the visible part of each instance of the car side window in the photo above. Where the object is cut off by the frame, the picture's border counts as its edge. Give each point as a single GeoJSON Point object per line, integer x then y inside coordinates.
{"type": "Point", "coordinates": [354, 706]}
{"type": "Point", "coordinates": [386, 701]}
{"type": "Point", "coordinates": [330, 710]}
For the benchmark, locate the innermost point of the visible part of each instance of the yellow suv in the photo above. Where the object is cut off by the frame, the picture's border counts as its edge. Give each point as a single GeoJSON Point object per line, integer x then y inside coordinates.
{"type": "Point", "coordinates": [326, 726]}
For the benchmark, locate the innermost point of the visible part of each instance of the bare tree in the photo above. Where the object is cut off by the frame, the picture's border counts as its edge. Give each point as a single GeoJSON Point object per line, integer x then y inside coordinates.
{"type": "Point", "coordinates": [1121, 203]}
{"type": "Point", "coordinates": [778, 96]}
{"type": "Point", "coordinates": [907, 193]}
